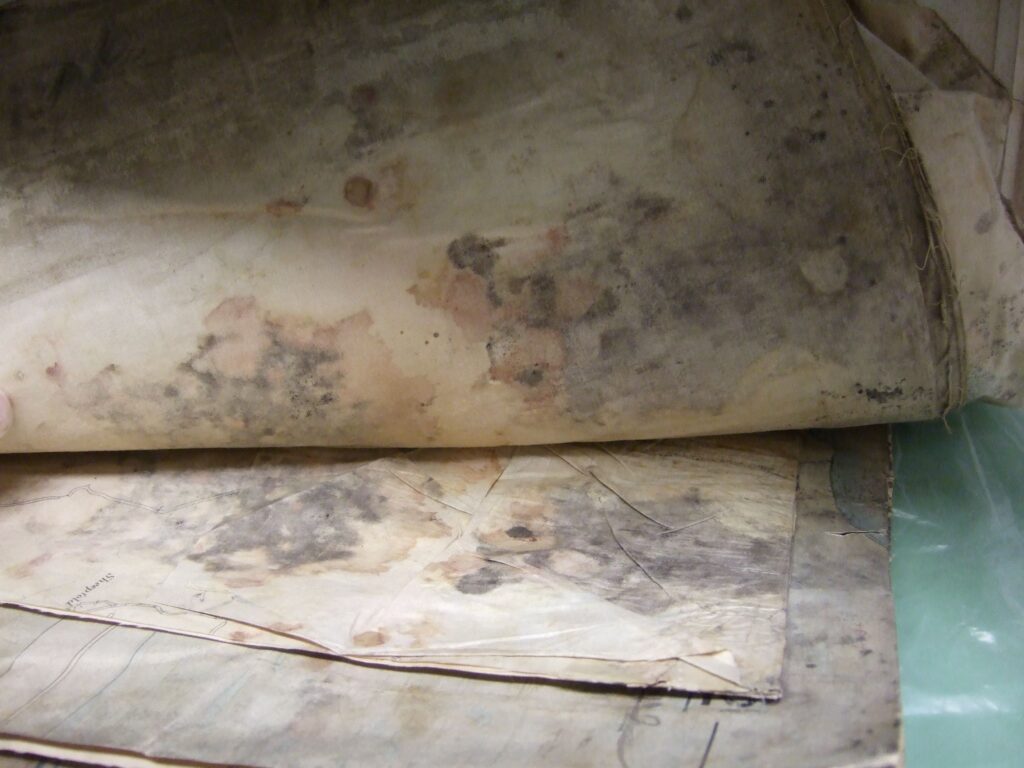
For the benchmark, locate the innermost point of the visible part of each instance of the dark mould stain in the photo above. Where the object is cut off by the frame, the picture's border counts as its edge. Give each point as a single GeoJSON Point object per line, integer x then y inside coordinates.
{"type": "Point", "coordinates": [616, 342]}
{"type": "Point", "coordinates": [733, 52]}
{"type": "Point", "coordinates": [360, 192]}
{"type": "Point", "coordinates": [475, 253]}
{"type": "Point", "coordinates": [364, 96]}
{"type": "Point", "coordinates": [541, 301]}
{"type": "Point", "coordinates": [761, 553]}
{"type": "Point", "coordinates": [479, 255]}
{"type": "Point", "coordinates": [69, 75]}
{"type": "Point", "coordinates": [650, 207]}
{"type": "Point", "coordinates": [313, 526]}
{"type": "Point", "coordinates": [520, 532]}
{"type": "Point", "coordinates": [880, 394]}
{"type": "Point", "coordinates": [531, 377]}
{"type": "Point", "coordinates": [251, 368]}
{"type": "Point", "coordinates": [984, 223]}
{"type": "Point", "coordinates": [603, 306]}
{"type": "Point", "coordinates": [479, 582]}
{"type": "Point", "coordinates": [371, 126]}
{"type": "Point", "coordinates": [683, 13]}
{"type": "Point", "coordinates": [799, 138]}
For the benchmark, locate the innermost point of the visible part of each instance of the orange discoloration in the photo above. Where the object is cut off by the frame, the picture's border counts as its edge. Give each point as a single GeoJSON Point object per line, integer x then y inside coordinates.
{"type": "Point", "coordinates": [557, 238]}
{"type": "Point", "coordinates": [284, 207]}
{"type": "Point", "coordinates": [283, 628]}
{"type": "Point", "coordinates": [466, 299]}
{"type": "Point", "coordinates": [446, 571]}
{"type": "Point", "coordinates": [370, 639]}
{"type": "Point", "coordinates": [240, 343]}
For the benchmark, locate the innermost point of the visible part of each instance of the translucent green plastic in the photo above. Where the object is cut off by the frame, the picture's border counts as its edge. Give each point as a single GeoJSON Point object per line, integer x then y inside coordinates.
{"type": "Point", "coordinates": [958, 578]}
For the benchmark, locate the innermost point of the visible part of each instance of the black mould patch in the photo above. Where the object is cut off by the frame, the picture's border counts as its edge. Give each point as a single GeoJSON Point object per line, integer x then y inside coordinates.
{"type": "Point", "coordinates": [318, 525]}
{"type": "Point", "coordinates": [488, 578]}
{"type": "Point", "coordinates": [880, 394]}
{"type": "Point", "coordinates": [531, 377]}
{"type": "Point", "coordinates": [371, 126]}
{"type": "Point", "coordinates": [650, 207]}
{"type": "Point", "coordinates": [733, 52]}
{"type": "Point", "coordinates": [604, 306]}
{"type": "Point", "coordinates": [616, 343]}
{"type": "Point", "coordinates": [479, 255]}
{"type": "Point", "coordinates": [520, 532]}
{"type": "Point", "coordinates": [542, 307]}
{"type": "Point", "coordinates": [798, 139]}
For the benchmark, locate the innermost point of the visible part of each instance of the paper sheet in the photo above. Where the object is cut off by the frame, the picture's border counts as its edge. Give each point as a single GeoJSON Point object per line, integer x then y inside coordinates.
{"type": "Point", "coordinates": [962, 127]}
{"type": "Point", "coordinates": [595, 221]}
{"type": "Point", "coordinates": [639, 563]}
{"type": "Point", "coordinates": [108, 694]}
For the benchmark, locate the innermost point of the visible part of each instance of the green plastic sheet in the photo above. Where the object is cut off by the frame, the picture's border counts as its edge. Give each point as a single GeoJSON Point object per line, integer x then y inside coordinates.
{"type": "Point", "coordinates": [958, 578]}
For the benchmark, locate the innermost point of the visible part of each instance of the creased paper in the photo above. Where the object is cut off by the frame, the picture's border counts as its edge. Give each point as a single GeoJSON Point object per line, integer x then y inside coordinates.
{"type": "Point", "coordinates": [640, 563]}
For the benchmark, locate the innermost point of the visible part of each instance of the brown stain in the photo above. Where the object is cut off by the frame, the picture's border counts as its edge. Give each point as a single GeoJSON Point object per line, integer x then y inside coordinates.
{"type": "Point", "coordinates": [364, 96]}
{"type": "Point", "coordinates": [242, 582]}
{"type": "Point", "coordinates": [55, 372]}
{"type": "Point", "coordinates": [283, 628]}
{"type": "Point", "coordinates": [360, 192]}
{"type": "Point", "coordinates": [284, 207]}
{"type": "Point", "coordinates": [526, 526]}
{"type": "Point", "coordinates": [26, 569]}
{"type": "Point", "coordinates": [369, 639]}
{"type": "Point", "coordinates": [558, 238]}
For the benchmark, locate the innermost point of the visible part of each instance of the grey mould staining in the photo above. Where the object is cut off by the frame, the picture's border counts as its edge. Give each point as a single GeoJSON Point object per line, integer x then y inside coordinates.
{"type": "Point", "coordinates": [255, 375]}
{"type": "Point", "coordinates": [485, 579]}
{"type": "Point", "coordinates": [314, 526]}
{"type": "Point", "coordinates": [479, 255]}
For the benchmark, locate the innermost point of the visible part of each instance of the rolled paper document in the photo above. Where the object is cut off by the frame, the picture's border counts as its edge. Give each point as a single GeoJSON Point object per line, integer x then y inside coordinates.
{"type": "Point", "coordinates": [6, 413]}
{"type": "Point", "coordinates": [460, 225]}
